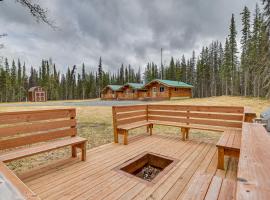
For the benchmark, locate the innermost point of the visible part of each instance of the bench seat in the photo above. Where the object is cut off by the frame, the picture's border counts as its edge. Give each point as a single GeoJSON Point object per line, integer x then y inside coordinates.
{"type": "Point", "coordinates": [209, 187]}
{"type": "Point", "coordinates": [134, 125]}
{"type": "Point", "coordinates": [41, 148]}
{"type": "Point", "coordinates": [123, 129]}
{"type": "Point", "coordinates": [229, 144]}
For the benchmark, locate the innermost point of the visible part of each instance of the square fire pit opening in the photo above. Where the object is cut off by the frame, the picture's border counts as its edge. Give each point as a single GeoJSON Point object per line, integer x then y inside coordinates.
{"type": "Point", "coordinates": [147, 166]}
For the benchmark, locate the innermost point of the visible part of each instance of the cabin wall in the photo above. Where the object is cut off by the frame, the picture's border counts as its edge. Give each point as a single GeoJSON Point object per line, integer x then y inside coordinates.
{"type": "Point", "coordinates": [142, 94]}
{"type": "Point", "coordinates": [129, 94]}
{"type": "Point", "coordinates": [120, 95]}
{"type": "Point", "coordinates": [180, 92]}
{"type": "Point", "coordinates": [108, 94]}
{"type": "Point", "coordinates": [157, 93]}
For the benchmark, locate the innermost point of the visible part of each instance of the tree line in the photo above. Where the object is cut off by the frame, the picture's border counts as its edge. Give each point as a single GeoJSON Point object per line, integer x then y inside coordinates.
{"type": "Point", "coordinates": [219, 69]}
{"type": "Point", "coordinates": [74, 84]}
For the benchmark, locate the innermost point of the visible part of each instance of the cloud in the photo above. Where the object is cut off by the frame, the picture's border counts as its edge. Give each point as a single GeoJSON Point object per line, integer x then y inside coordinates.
{"type": "Point", "coordinates": [129, 32]}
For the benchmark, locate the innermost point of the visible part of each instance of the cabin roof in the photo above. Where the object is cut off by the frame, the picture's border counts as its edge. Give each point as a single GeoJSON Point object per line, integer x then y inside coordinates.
{"type": "Point", "coordinates": [135, 85]}
{"type": "Point", "coordinates": [170, 83]}
{"type": "Point", "coordinates": [114, 87]}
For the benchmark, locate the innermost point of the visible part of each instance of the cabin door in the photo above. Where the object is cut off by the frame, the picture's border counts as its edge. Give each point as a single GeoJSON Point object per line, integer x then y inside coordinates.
{"type": "Point", "coordinates": [154, 92]}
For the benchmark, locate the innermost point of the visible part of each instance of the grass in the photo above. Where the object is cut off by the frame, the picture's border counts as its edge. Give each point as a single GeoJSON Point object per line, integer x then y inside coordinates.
{"type": "Point", "coordinates": [95, 124]}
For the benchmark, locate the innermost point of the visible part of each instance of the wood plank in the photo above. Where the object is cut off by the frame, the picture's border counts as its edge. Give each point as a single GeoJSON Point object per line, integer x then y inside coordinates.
{"type": "Point", "coordinates": [227, 191]}
{"type": "Point", "coordinates": [40, 137]}
{"type": "Point", "coordinates": [222, 109]}
{"type": "Point", "coordinates": [120, 116]}
{"type": "Point", "coordinates": [29, 128]}
{"type": "Point", "coordinates": [131, 120]}
{"type": "Point", "coordinates": [229, 143]}
{"type": "Point", "coordinates": [197, 115]}
{"type": "Point", "coordinates": [197, 121]}
{"type": "Point", "coordinates": [134, 125]}
{"type": "Point", "coordinates": [36, 115]}
{"type": "Point", "coordinates": [223, 140]}
{"type": "Point", "coordinates": [119, 109]}
{"type": "Point", "coordinates": [175, 124]}
{"type": "Point", "coordinates": [198, 187]}
{"type": "Point", "coordinates": [214, 188]}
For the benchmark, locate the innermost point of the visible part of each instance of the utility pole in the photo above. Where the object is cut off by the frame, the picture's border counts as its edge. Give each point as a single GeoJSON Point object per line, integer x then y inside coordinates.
{"type": "Point", "coordinates": [161, 64]}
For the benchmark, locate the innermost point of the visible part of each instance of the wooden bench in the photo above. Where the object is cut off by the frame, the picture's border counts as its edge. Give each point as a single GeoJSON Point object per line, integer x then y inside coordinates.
{"type": "Point", "coordinates": [253, 177]}
{"type": "Point", "coordinates": [186, 117]}
{"type": "Point", "coordinates": [226, 119]}
{"type": "Point", "coordinates": [44, 130]}
{"type": "Point", "coordinates": [229, 144]}
{"type": "Point", "coordinates": [209, 187]}
{"type": "Point", "coordinates": [126, 118]}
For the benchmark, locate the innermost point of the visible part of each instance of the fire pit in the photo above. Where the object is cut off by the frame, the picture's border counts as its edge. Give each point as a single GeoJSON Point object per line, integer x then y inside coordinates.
{"type": "Point", "coordinates": [147, 166]}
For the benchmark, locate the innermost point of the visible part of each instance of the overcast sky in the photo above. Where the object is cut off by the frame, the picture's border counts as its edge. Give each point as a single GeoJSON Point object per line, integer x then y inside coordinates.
{"type": "Point", "coordinates": [121, 31]}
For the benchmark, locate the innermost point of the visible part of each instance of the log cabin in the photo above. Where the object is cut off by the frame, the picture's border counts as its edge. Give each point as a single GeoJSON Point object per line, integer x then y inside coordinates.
{"type": "Point", "coordinates": [133, 91]}
{"type": "Point", "coordinates": [111, 92]}
{"type": "Point", "coordinates": [167, 89]}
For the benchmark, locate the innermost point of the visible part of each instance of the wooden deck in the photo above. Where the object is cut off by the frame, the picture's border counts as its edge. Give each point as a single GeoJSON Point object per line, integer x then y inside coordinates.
{"type": "Point", "coordinates": [97, 178]}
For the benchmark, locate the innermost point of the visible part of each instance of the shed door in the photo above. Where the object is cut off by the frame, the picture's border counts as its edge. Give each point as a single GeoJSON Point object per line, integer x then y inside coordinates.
{"type": "Point", "coordinates": [40, 96]}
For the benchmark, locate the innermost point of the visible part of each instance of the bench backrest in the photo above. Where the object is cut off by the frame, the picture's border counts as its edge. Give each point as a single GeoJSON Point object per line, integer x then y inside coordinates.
{"type": "Point", "coordinates": [29, 127]}
{"type": "Point", "coordinates": [220, 116]}
{"type": "Point", "coordinates": [129, 114]}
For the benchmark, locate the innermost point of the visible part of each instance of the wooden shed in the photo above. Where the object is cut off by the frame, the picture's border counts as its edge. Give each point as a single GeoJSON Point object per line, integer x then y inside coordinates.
{"type": "Point", "coordinates": [111, 92]}
{"type": "Point", "coordinates": [167, 89]}
{"type": "Point", "coordinates": [37, 94]}
{"type": "Point", "coordinates": [133, 91]}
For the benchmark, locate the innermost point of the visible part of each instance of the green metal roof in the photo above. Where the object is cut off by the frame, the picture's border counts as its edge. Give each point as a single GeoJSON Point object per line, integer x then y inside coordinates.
{"type": "Point", "coordinates": [136, 85]}
{"type": "Point", "coordinates": [172, 83]}
{"type": "Point", "coordinates": [115, 87]}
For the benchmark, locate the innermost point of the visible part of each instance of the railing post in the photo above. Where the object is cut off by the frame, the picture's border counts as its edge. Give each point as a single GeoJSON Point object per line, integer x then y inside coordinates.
{"type": "Point", "coordinates": [249, 115]}
{"type": "Point", "coordinates": [114, 125]}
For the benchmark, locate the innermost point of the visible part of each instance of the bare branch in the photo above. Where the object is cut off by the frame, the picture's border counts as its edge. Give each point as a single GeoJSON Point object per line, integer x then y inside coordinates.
{"type": "Point", "coordinates": [38, 12]}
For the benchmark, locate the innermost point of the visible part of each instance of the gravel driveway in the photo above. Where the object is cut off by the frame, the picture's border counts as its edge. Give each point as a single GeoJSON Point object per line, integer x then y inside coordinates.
{"type": "Point", "coordinates": [77, 103]}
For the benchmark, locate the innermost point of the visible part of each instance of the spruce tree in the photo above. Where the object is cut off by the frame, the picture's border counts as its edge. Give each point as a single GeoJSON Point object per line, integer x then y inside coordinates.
{"type": "Point", "coordinates": [245, 42]}
{"type": "Point", "coordinates": [233, 54]}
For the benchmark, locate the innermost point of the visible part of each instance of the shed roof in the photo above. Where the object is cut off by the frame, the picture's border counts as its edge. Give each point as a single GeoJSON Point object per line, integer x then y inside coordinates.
{"type": "Point", "coordinates": [33, 88]}
{"type": "Point", "coordinates": [171, 83]}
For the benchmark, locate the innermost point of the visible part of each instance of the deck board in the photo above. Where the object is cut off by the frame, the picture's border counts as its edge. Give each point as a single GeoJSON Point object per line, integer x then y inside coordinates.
{"type": "Point", "coordinates": [96, 178]}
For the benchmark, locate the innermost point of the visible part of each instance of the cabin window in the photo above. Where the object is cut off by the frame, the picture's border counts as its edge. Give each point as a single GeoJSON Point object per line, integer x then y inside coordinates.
{"type": "Point", "coordinates": [161, 89]}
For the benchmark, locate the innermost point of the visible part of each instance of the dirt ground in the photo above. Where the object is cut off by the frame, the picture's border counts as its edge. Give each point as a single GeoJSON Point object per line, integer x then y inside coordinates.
{"type": "Point", "coordinates": [95, 124]}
